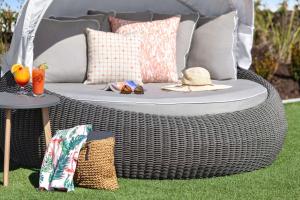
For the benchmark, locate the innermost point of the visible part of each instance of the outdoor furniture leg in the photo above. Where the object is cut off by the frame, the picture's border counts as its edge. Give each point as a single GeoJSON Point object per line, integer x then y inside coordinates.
{"type": "Point", "coordinates": [47, 127]}
{"type": "Point", "coordinates": [7, 146]}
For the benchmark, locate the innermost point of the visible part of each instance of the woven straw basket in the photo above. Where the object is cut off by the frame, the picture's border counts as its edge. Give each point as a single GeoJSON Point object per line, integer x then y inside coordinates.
{"type": "Point", "coordinates": [96, 167]}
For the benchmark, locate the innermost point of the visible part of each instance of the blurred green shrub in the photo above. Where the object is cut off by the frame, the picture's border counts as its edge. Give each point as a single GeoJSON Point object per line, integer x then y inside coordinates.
{"type": "Point", "coordinates": [295, 65]}
{"type": "Point", "coordinates": [7, 20]}
{"type": "Point", "coordinates": [266, 66]}
{"type": "Point", "coordinates": [278, 32]}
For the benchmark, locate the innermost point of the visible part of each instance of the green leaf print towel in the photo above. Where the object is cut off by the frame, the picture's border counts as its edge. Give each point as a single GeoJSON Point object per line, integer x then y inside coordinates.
{"type": "Point", "coordinates": [60, 160]}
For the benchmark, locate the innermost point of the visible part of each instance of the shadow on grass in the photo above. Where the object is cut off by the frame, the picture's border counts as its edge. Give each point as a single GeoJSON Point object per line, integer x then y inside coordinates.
{"type": "Point", "coordinates": [12, 165]}
{"type": "Point", "coordinates": [34, 178]}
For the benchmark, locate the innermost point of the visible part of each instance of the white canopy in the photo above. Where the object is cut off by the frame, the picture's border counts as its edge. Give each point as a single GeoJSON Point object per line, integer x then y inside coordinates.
{"type": "Point", "coordinates": [21, 50]}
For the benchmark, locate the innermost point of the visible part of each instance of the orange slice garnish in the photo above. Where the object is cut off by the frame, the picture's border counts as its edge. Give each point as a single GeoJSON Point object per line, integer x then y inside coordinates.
{"type": "Point", "coordinates": [16, 68]}
{"type": "Point", "coordinates": [43, 66]}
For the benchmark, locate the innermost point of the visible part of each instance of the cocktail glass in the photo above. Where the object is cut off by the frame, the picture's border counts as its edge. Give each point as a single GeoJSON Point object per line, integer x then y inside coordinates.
{"type": "Point", "coordinates": [38, 82]}
{"type": "Point", "coordinates": [22, 78]}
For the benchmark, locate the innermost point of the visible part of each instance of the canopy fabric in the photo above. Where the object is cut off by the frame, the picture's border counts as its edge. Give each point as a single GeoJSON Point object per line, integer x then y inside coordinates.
{"type": "Point", "coordinates": [21, 50]}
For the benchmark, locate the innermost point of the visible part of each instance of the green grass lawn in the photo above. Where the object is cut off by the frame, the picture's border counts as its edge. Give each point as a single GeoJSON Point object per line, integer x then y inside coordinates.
{"type": "Point", "coordinates": [280, 181]}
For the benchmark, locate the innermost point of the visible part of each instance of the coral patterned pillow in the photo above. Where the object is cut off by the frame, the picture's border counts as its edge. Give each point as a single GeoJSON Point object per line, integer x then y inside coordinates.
{"type": "Point", "coordinates": [158, 62]}
{"type": "Point", "coordinates": [113, 57]}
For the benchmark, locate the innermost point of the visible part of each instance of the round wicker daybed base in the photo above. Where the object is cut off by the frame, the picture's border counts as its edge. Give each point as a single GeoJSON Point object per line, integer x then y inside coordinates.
{"type": "Point", "coordinates": [163, 147]}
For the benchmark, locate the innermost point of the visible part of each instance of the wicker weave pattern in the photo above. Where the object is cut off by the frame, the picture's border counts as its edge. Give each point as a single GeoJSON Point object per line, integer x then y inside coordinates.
{"type": "Point", "coordinates": [164, 147]}
{"type": "Point", "coordinates": [96, 167]}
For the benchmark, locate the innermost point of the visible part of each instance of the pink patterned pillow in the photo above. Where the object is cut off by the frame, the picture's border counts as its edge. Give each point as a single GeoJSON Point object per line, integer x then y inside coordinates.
{"type": "Point", "coordinates": [158, 46]}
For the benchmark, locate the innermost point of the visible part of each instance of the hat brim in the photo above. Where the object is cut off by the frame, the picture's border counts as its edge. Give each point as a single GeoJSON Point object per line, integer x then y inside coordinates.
{"type": "Point", "coordinates": [187, 88]}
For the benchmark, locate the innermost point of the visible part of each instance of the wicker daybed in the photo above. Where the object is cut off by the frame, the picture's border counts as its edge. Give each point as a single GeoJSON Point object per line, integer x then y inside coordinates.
{"type": "Point", "coordinates": [154, 144]}
{"type": "Point", "coordinates": [161, 147]}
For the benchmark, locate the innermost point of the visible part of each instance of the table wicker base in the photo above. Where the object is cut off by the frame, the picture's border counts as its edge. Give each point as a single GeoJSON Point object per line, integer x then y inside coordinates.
{"type": "Point", "coordinates": [163, 147]}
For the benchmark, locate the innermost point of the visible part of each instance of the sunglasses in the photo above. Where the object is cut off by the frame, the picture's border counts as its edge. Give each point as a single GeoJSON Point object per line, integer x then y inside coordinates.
{"type": "Point", "coordinates": [127, 90]}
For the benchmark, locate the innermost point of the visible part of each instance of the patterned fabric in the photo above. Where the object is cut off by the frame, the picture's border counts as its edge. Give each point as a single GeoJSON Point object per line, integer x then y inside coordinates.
{"type": "Point", "coordinates": [113, 57]}
{"type": "Point", "coordinates": [158, 46]}
{"type": "Point", "coordinates": [60, 160]}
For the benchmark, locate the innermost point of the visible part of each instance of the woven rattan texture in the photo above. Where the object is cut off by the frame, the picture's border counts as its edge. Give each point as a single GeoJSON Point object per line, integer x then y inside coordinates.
{"type": "Point", "coordinates": [96, 167]}
{"type": "Point", "coordinates": [163, 147]}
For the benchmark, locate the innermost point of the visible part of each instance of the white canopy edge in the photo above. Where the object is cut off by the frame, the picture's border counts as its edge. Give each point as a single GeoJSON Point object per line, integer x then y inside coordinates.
{"type": "Point", "coordinates": [21, 49]}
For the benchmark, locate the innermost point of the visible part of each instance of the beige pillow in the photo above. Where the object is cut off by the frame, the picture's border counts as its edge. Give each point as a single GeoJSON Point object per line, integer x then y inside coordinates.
{"type": "Point", "coordinates": [113, 57]}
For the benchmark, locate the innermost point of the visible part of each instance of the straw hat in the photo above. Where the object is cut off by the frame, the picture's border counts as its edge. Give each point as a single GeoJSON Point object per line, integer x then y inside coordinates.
{"type": "Point", "coordinates": [196, 76]}
{"type": "Point", "coordinates": [195, 79]}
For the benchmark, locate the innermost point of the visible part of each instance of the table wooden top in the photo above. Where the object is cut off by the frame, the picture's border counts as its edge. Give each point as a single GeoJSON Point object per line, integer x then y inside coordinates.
{"type": "Point", "coordinates": [14, 101]}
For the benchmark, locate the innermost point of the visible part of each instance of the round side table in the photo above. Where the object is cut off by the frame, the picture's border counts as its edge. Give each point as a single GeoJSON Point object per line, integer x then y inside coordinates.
{"type": "Point", "coordinates": [9, 102]}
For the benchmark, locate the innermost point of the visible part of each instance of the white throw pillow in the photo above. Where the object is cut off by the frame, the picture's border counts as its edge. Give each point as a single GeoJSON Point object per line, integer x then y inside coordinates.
{"type": "Point", "coordinates": [113, 57]}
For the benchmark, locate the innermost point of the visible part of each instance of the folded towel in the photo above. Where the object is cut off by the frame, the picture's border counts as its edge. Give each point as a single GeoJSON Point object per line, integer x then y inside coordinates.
{"type": "Point", "coordinates": [60, 160]}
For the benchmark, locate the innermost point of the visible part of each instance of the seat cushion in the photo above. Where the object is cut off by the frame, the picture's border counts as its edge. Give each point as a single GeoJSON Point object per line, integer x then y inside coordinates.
{"type": "Point", "coordinates": [101, 18]}
{"type": "Point", "coordinates": [213, 46]}
{"type": "Point", "coordinates": [62, 45]}
{"type": "Point", "coordinates": [244, 94]}
{"type": "Point", "coordinates": [145, 16]}
{"type": "Point", "coordinates": [133, 16]}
